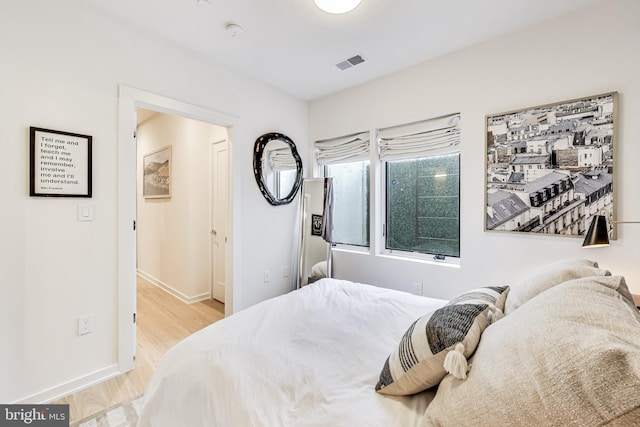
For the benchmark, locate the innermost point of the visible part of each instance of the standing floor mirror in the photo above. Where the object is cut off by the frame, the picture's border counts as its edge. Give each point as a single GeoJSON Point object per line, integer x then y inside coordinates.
{"type": "Point", "coordinates": [316, 231]}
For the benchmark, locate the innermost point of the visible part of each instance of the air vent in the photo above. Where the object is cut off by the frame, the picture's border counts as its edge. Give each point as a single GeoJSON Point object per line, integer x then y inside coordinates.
{"type": "Point", "coordinates": [351, 62]}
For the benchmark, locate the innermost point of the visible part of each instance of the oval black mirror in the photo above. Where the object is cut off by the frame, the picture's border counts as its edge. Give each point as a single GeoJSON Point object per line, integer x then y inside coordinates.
{"type": "Point", "coordinates": [277, 168]}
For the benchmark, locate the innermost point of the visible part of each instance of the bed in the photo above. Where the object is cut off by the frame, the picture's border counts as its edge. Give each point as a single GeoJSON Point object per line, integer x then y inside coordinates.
{"type": "Point", "coordinates": [560, 346]}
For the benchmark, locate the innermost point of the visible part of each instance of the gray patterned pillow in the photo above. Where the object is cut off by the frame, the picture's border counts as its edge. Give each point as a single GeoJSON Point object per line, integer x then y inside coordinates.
{"type": "Point", "coordinates": [418, 362]}
{"type": "Point", "coordinates": [494, 296]}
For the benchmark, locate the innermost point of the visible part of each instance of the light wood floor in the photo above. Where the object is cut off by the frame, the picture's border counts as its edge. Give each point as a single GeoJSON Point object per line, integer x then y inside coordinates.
{"type": "Point", "coordinates": [162, 321]}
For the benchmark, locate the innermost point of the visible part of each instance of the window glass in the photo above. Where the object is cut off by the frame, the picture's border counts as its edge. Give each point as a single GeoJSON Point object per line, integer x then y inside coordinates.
{"type": "Point", "coordinates": [423, 205]}
{"type": "Point", "coordinates": [351, 202]}
{"type": "Point", "coordinates": [284, 182]}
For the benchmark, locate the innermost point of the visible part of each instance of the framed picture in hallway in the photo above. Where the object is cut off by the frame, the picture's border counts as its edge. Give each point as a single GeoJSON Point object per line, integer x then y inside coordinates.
{"type": "Point", "coordinates": [550, 168]}
{"type": "Point", "coordinates": [156, 167]}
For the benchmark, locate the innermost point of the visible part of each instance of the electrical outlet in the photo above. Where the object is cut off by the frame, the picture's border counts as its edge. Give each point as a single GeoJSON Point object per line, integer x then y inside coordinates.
{"type": "Point", "coordinates": [86, 324]}
{"type": "Point", "coordinates": [267, 276]}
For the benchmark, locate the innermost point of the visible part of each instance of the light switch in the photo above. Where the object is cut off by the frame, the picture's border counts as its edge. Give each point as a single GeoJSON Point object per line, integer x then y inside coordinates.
{"type": "Point", "coordinates": [85, 212]}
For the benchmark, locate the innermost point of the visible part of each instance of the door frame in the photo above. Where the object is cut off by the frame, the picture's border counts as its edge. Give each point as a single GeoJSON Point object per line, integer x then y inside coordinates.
{"type": "Point", "coordinates": [129, 100]}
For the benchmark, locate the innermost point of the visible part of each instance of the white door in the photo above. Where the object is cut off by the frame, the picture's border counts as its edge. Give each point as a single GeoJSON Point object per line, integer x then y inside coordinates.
{"type": "Point", "coordinates": [219, 209]}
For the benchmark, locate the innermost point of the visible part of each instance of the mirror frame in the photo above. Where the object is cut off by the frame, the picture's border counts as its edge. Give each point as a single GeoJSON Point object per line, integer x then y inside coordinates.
{"type": "Point", "coordinates": [306, 216]}
{"type": "Point", "coordinates": [258, 151]}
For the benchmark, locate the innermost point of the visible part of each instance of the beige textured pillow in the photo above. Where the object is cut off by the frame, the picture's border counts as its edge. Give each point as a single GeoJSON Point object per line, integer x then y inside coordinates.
{"type": "Point", "coordinates": [549, 276]}
{"type": "Point", "coordinates": [570, 356]}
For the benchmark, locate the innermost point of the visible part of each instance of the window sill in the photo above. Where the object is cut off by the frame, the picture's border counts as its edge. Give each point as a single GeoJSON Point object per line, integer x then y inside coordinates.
{"type": "Point", "coordinates": [422, 259]}
{"type": "Point", "coordinates": [352, 249]}
{"type": "Point", "coordinates": [418, 258]}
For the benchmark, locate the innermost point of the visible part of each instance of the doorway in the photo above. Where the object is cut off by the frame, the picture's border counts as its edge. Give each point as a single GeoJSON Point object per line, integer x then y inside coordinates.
{"type": "Point", "coordinates": [182, 233]}
{"type": "Point", "coordinates": [129, 101]}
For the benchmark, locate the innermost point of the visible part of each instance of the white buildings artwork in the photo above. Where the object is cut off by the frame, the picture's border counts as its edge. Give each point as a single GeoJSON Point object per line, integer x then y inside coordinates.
{"type": "Point", "coordinates": [550, 168]}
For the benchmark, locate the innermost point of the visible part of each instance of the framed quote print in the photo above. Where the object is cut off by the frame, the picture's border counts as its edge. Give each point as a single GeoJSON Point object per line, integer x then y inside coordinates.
{"type": "Point", "coordinates": [60, 163]}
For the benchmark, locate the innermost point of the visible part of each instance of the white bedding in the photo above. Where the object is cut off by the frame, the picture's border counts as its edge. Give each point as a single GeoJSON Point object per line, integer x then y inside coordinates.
{"type": "Point", "coordinates": [308, 358]}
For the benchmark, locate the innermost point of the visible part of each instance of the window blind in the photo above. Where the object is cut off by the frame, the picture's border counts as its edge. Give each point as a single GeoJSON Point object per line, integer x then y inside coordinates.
{"type": "Point", "coordinates": [350, 148]}
{"type": "Point", "coordinates": [282, 159]}
{"type": "Point", "coordinates": [419, 139]}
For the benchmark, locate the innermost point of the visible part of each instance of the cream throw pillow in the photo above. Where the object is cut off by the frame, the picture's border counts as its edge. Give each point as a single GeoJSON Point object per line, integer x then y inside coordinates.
{"type": "Point", "coordinates": [549, 276]}
{"type": "Point", "coordinates": [569, 357]}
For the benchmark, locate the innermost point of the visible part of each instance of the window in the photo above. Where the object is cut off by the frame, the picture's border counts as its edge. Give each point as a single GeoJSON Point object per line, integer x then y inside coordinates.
{"type": "Point", "coordinates": [423, 205]}
{"type": "Point", "coordinates": [284, 182]}
{"type": "Point", "coordinates": [350, 202]}
{"type": "Point", "coordinates": [422, 186]}
{"type": "Point", "coordinates": [417, 179]}
{"type": "Point", "coordinates": [346, 160]}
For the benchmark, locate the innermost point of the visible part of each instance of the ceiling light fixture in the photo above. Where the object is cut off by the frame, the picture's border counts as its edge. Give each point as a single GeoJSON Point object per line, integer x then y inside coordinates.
{"type": "Point", "coordinates": [205, 2]}
{"type": "Point", "coordinates": [337, 6]}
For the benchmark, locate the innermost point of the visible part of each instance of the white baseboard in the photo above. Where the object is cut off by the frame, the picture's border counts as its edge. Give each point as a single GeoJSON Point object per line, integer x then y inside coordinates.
{"type": "Point", "coordinates": [73, 386]}
{"type": "Point", "coordinates": [86, 381]}
{"type": "Point", "coordinates": [173, 292]}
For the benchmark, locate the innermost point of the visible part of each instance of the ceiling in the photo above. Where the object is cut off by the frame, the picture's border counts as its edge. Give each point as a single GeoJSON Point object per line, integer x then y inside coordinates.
{"type": "Point", "coordinates": [293, 46]}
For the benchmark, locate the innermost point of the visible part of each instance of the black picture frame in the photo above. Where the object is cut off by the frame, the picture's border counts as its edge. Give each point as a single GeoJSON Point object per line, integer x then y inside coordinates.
{"type": "Point", "coordinates": [60, 163]}
{"type": "Point", "coordinates": [316, 225]}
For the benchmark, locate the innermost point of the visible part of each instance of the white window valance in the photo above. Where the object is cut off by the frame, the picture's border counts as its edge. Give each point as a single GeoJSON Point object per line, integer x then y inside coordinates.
{"type": "Point", "coordinates": [419, 139]}
{"type": "Point", "coordinates": [350, 148]}
{"type": "Point", "coordinates": [282, 159]}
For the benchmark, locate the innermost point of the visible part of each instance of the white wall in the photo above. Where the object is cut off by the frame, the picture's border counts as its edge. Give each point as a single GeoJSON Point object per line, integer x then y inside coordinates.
{"type": "Point", "coordinates": [591, 52]}
{"type": "Point", "coordinates": [173, 233]}
{"type": "Point", "coordinates": [61, 67]}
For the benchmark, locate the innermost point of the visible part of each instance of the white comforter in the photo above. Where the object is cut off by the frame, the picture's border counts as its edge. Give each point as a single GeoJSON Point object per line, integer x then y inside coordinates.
{"type": "Point", "coordinates": [308, 358]}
